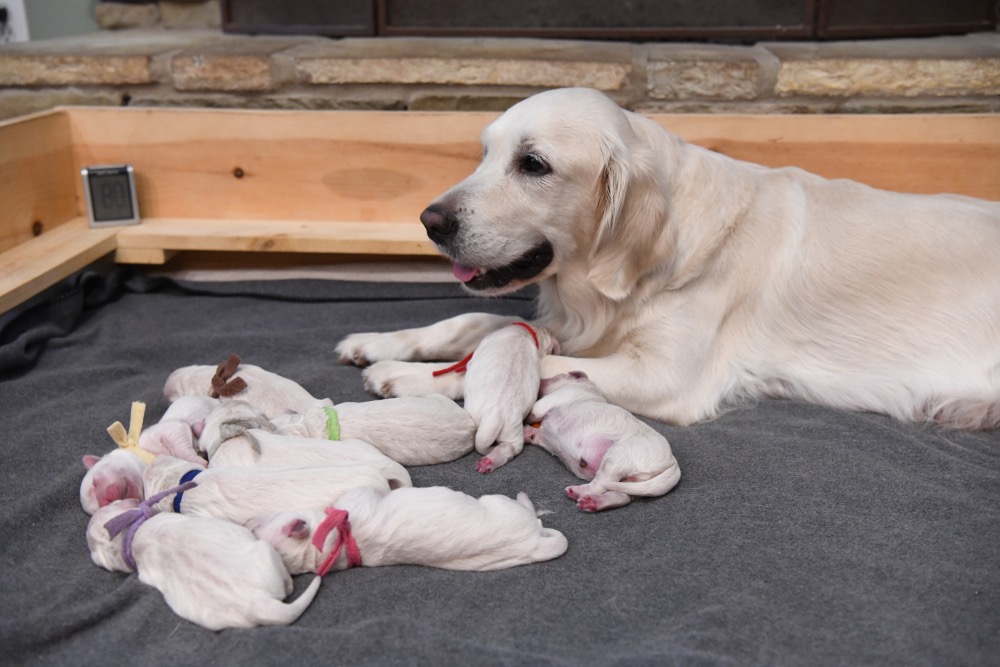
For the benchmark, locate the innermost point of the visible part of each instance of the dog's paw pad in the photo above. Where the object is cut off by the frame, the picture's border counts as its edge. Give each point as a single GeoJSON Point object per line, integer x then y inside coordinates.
{"type": "Point", "coordinates": [484, 465]}
{"type": "Point", "coordinates": [573, 492]}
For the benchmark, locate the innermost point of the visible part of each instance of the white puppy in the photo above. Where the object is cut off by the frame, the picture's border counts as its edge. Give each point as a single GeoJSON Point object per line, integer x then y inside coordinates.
{"type": "Point", "coordinates": [213, 573]}
{"type": "Point", "coordinates": [118, 474]}
{"type": "Point", "coordinates": [270, 393]}
{"type": "Point", "coordinates": [414, 430]}
{"type": "Point", "coordinates": [433, 526]}
{"type": "Point", "coordinates": [601, 442]}
{"type": "Point", "coordinates": [683, 281]}
{"type": "Point", "coordinates": [242, 444]}
{"type": "Point", "coordinates": [501, 385]}
{"type": "Point", "coordinates": [239, 494]}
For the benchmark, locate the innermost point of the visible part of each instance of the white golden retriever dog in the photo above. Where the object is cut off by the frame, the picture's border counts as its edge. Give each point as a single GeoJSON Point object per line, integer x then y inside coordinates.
{"type": "Point", "coordinates": [681, 280]}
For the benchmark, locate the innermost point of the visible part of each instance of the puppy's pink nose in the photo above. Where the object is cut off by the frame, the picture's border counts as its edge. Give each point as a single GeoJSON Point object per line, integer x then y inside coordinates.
{"type": "Point", "coordinates": [439, 223]}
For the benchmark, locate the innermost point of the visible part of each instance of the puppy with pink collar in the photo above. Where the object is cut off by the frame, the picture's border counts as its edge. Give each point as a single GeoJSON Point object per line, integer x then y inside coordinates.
{"type": "Point", "coordinates": [501, 385]}
{"type": "Point", "coordinates": [601, 442]}
{"type": "Point", "coordinates": [213, 573]}
{"type": "Point", "coordinates": [432, 526]}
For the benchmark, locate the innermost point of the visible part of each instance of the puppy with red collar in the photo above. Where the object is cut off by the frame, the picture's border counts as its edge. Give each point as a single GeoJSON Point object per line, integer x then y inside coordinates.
{"type": "Point", "coordinates": [601, 442]}
{"type": "Point", "coordinates": [433, 526]}
{"type": "Point", "coordinates": [229, 578]}
{"type": "Point", "coordinates": [501, 385]}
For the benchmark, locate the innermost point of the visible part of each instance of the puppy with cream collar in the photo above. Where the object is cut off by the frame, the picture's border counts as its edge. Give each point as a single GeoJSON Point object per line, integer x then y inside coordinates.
{"type": "Point", "coordinates": [501, 385]}
{"type": "Point", "coordinates": [601, 442]}
{"type": "Point", "coordinates": [213, 573]}
{"type": "Point", "coordinates": [239, 494]}
{"type": "Point", "coordinates": [433, 526]}
{"type": "Point", "coordinates": [413, 430]}
{"type": "Point", "coordinates": [118, 474]}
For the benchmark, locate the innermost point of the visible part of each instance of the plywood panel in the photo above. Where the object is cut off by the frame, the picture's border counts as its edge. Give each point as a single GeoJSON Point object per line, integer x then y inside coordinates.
{"type": "Point", "coordinates": [310, 166]}
{"type": "Point", "coordinates": [369, 238]}
{"type": "Point", "coordinates": [41, 262]}
{"type": "Point", "coordinates": [37, 186]}
{"type": "Point", "coordinates": [957, 153]}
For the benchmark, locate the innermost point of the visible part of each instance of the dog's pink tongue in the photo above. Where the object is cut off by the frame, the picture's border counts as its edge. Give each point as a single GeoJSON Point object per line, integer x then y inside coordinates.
{"type": "Point", "coordinates": [463, 272]}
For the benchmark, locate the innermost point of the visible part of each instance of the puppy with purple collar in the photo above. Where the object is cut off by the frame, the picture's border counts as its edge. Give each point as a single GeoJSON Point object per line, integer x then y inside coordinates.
{"type": "Point", "coordinates": [432, 526]}
{"type": "Point", "coordinates": [601, 442]}
{"type": "Point", "coordinates": [501, 385]}
{"type": "Point", "coordinates": [213, 573]}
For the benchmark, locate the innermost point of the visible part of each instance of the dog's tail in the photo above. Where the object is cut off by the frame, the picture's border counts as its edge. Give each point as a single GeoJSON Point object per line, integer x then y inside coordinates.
{"type": "Point", "coordinates": [646, 484]}
{"type": "Point", "coordinates": [276, 612]}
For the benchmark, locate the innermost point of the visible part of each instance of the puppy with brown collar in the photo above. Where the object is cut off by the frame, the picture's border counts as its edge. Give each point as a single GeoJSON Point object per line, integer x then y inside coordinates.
{"type": "Point", "coordinates": [601, 442]}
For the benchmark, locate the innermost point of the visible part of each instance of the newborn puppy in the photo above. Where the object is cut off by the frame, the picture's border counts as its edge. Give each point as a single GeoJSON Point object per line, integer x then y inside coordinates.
{"type": "Point", "coordinates": [413, 430]}
{"type": "Point", "coordinates": [602, 442]}
{"type": "Point", "coordinates": [118, 474]}
{"type": "Point", "coordinates": [239, 494]}
{"type": "Point", "coordinates": [501, 385]}
{"type": "Point", "coordinates": [270, 393]}
{"type": "Point", "coordinates": [213, 573]}
{"type": "Point", "coordinates": [433, 526]}
{"type": "Point", "coordinates": [192, 410]}
{"type": "Point", "coordinates": [241, 444]}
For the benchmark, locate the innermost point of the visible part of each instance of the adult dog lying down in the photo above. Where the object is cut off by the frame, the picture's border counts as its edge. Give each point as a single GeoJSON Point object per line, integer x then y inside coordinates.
{"type": "Point", "coordinates": [680, 280]}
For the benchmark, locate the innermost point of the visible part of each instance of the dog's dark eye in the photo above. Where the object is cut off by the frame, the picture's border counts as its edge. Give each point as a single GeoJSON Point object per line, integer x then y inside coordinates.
{"type": "Point", "coordinates": [534, 165]}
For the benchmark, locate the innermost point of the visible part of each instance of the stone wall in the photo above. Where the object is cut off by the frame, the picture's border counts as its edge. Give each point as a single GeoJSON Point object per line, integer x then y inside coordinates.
{"type": "Point", "coordinates": [204, 67]}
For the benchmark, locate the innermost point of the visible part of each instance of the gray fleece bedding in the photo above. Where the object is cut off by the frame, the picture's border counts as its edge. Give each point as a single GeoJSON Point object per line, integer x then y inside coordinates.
{"type": "Point", "coordinates": [798, 535]}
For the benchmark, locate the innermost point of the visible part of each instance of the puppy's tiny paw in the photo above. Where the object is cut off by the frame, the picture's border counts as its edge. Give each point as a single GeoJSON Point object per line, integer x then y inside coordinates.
{"type": "Point", "coordinates": [573, 492]}
{"type": "Point", "coordinates": [587, 504]}
{"type": "Point", "coordinates": [484, 465]}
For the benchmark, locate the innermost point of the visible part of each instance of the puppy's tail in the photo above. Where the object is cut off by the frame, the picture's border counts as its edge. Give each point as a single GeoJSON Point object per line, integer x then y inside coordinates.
{"type": "Point", "coordinates": [645, 485]}
{"type": "Point", "coordinates": [276, 612]}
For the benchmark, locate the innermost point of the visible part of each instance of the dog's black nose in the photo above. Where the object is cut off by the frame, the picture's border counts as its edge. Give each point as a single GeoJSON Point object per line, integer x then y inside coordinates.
{"type": "Point", "coordinates": [439, 223]}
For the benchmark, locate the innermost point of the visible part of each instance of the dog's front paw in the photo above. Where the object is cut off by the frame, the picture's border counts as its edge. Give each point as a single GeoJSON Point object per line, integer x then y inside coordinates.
{"type": "Point", "coordinates": [364, 349]}
{"type": "Point", "coordinates": [587, 504]}
{"type": "Point", "coordinates": [573, 492]}
{"type": "Point", "coordinates": [390, 379]}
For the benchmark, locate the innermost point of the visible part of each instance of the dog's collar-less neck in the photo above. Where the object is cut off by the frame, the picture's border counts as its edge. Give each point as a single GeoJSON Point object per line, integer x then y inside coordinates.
{"type": "Point", "coordinates": [132, 519]}
{"type": "Point", "coordinates": [460, 366]}
{"type": "Point", "coordinates": [185, 479]}
{"type": "Point", "coordinates": [336, 519]}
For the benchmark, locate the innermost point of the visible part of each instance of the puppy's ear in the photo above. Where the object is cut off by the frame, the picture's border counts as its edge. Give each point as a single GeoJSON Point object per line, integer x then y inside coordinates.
{"type": "Point", "coordinates": [632, 226]}
{"type": "Point", "coordinates": [89, 460]}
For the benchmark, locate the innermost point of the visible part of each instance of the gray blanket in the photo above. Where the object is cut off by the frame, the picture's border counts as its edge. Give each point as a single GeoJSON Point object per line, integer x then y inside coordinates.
{"type": "Point", "coordinates": [798, 535]}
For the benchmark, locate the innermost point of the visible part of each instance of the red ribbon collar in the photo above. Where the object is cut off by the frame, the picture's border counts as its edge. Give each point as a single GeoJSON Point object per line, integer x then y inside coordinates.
{"type": "Point", "coordinates": [459, 367]}
{"type": "Point", "coordinates": [336, 519]}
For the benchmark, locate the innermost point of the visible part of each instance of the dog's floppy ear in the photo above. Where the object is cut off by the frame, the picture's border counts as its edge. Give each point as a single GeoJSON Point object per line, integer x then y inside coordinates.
{"type": "Point", "coordinates": [631, 233]}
